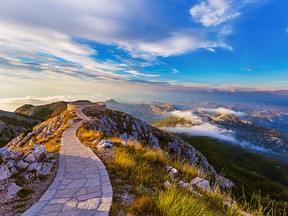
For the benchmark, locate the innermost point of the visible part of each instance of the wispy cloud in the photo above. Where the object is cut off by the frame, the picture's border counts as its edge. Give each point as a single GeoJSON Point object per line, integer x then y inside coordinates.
{"type": "Point", "coordinates": [222, 110]}
{"type": "Point", "coordinates": [214, 12]}
{"type": "Point", "coordinates": [136, 73]}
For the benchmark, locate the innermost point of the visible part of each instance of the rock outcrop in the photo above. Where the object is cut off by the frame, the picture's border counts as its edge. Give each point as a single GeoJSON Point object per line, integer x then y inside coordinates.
{"type": "Point", "coordinates": [129, 128]}
{"type": "Point", "coordinates": [12, 125]}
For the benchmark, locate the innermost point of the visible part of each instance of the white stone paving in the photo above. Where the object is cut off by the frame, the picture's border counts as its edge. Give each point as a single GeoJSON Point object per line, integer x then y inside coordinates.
{"type": "Point", "coordinates": [81, 186]}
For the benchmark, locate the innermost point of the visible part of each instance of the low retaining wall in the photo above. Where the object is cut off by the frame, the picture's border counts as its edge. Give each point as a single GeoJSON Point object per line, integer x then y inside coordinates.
{"type": "Point", "coordinates": [99, 107]}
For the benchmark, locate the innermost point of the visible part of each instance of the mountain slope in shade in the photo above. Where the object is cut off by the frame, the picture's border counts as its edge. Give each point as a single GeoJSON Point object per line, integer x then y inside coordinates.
{"type": "Point", "coordinates": [42, 112]}
{"type": "Point", "coordinates": [230, 128]}
{"type": "Point", "coordinates": [149, 112]}
{"type": "Point", "coordinates": [12, 125]}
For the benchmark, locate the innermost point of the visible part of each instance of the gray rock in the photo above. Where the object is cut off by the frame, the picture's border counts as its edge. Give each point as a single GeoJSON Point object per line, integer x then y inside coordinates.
{"type": "Point", "coordinates": [13, 170]}
{"type": "Point", "coordinates": [225, 183]}
{"type": "Point", "coordinates": [167, 185]}
{"type": "Point", "coordinates": [12, 191]}
{"type": "Point", "coordinates": [123, 136]}
{"type": "Point", "coordinates": [49, 155]}
{"type": "Point", "coordinates": [203, 184]}
{"type": "Point", "coordinates": [30, 158]}
{"type": "Point", "coordinates": [153, 141]}
{"type": "Point", "coordinates": [21, 165]}
{"type": "Point", "coordinates": [7, 154]}
{"type": "Point", "coordinates": [40, 153]}
{"type": "Point", "coordinates": [173, 172]}
{"type": "Point", "coordinates": [4, 172]}
{"type": "Point", "coordinates": [10, 163]}
{"type": "Point", "coordinates": [106, 144]}
{"type": "Point", "coordinates": [46, 169]}
{"type": "Point", "coordinates": [191, 189]}
{"type": "Point", "coordinates": [34, 167]}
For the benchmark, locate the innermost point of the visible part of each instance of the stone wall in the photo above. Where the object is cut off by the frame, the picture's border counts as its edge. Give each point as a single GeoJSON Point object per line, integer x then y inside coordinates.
{"type": "Point", "coordinates": [100, 107]}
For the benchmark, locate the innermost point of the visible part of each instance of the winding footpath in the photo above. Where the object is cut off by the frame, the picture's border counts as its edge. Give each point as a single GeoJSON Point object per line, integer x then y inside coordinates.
{"type": "Point", "coordinates": [81, 186]}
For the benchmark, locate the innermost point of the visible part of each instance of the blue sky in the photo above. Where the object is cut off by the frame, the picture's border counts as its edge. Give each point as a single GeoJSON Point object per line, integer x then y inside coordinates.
{"type": "Point", "coordinates": [137, 48]}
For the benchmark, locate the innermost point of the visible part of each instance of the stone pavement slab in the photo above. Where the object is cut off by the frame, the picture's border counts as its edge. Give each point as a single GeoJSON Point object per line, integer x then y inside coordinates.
{"type": "Point", "coordinates": [81, 186]}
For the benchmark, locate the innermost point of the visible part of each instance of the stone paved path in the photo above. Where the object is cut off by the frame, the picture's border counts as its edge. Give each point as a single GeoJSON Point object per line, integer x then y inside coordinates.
{"type": "Point", "coordinates": [81, 186]}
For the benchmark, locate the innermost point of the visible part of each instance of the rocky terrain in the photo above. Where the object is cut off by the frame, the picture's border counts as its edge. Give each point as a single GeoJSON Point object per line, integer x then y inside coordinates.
{"type": "Point", "coordinates": [12, 125]}
{"type": "Point", "coordinates": [126, 127]}
{"type": "Point", "coordinates": [28, 164]}
{"type": "Point", "coordinates": [150, 112]}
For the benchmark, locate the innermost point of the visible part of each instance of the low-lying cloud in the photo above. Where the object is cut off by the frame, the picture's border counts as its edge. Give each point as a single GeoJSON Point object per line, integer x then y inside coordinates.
{"type": "Point", "coordinates": [188, 116]}
{"type": "Point", "coordinates": [222, 110]}
{"type": "Point", "coordinates": [11, 104]}
{"type": "Point", "coordinates": [204, 128]}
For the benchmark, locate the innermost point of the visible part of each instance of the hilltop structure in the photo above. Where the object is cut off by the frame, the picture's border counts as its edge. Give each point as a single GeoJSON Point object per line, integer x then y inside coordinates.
{"type": "Point", "coordinates": [100, 106]}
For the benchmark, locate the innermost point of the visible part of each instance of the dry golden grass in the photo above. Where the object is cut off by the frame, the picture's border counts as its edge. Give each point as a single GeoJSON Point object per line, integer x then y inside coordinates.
{"type": "Point", "coordinates": [140, 171]}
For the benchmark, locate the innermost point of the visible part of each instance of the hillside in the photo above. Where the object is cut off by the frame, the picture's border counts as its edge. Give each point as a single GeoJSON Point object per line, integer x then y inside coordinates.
{"type": "Point", "coordinates": [150, 112]}
{"type": "Point", "coordinates": [254, 172]}
{"type": "Point", "coordinates": [42, 112]}
{"type": "Point", "coordinates": [29, 162]}
{"type": "Point", "coordinates": [12, 125]}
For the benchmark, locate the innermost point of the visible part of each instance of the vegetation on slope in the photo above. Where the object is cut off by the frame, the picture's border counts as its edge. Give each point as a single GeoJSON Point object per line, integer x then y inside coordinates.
{"type": "Point", "coordinates": [249, 171]}
{"type": "Point", "coordinates": [138, 172]}
{"type": "Point", "coordinates": [42, 112]}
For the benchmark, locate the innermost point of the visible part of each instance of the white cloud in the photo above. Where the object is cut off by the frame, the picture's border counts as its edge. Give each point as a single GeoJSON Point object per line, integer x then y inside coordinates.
{"type": "Point", "coordinates": [120, 23]}
{"type": "Point", "coordinates": [178, 43]}
{"type": "Point", "coordinates": [214, 12]}
{"type": "Point", "coordinates": [222, 110]}
{"type": "Point", "coordinates": [204, 128]}
{"type": "Point", "coordinates": [136, 73]}
{"type": "Point", "coordinates": [187, 115]}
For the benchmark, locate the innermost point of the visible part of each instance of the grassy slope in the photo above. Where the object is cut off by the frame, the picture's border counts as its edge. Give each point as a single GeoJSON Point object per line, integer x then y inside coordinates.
{"type": "Point", "coordinates": [140, 172]}
{"type": "Point", "coordinates": [252, 171]}
{"type": "Point", "coordinates": [43, 112]}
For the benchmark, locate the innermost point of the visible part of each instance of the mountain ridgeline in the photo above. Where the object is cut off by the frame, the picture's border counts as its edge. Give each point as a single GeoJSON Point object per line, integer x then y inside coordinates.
{"type": "Point", "coordinates": [12, 125]}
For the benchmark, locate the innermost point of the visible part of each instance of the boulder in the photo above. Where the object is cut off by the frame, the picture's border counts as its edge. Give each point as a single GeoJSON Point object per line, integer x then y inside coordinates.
{"type": "Point", "coordinates": [13, 170]}
{"type": "Point", "coordinates": [167, 185]}
{"type": "Point", "coordinates": [7, 154]}
{"type": "Point", "coordinates": [39, 153]}
{"type": "Point", "coordinates": [12, 191]}
{"type": "Point", "coordinates": [21, 165]}
{"type": "Point", "coordinates": [203, 184]}
{"type": "Point", "coordinates": [123, 136]}
{"type": "Point", "coordinates": [4, 172]}
{"type": "Point", "coordinates": [46, 169]}
{"type": "Point", "coordinates": [173, 172]}
{"type": "Point", "coordinates": [10, 163]}
{"type": "Point", "coordinates": [30, 158]}
{"type": "Point", "coordinates": [225, 183]}
{"type": "Point", "coordinates": [49, 155]}
{"type": "Point", "coordinates": [35, 166]}
{"type": "Point", "coordinates": [106, 144]}
{"type": "Point", "coordinates": [153, 141]}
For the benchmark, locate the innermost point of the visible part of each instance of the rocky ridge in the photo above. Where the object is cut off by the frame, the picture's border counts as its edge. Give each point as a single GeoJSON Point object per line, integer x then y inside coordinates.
{"type": "Point", "coordinates": [127, 127]}
{"type": "Point", "coordinates": [12, 125]}
{"type": "Point", "coordinates": [28, 163]}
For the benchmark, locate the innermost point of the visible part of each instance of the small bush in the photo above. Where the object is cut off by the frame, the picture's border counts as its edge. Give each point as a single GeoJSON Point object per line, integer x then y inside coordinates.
{"type": "Point", "coordinates": [24, 192]}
